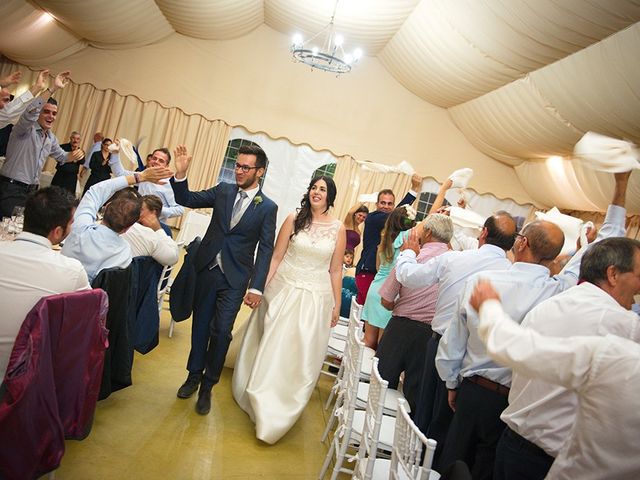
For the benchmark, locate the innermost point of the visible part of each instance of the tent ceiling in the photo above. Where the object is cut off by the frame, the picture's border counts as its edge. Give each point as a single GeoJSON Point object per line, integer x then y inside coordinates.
{"type": "Point", "coordinates": [522, 79]}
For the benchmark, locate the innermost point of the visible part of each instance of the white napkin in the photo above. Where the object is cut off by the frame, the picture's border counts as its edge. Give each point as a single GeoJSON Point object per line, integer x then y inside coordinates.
{"type": "Point", "coordinates": [465, 218]}
{"type": "Point", "coordinates": [461, 177]}
{"type": "Point", "coordinates": [606, 154]}
{"type": "Point", "coordinates": [127, 155]}
{"type": "Point", "coordinates": [368, 197]}
{"type": "Point", "coordinates": [569, 225]}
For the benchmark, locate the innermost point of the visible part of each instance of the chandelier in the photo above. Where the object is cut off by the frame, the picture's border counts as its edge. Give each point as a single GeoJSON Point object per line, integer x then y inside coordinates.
{"type": "Point", "coordinates": [331, 57]}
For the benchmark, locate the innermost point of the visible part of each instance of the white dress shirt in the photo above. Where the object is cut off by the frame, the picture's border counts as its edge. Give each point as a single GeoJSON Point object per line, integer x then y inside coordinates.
{"type": "Point", "coordinates": [30, 270]}
{"type": "Point", "coordinates": [544, 413]}
{"type": "Point", "coordinates": [12, 110]}
{"type": "Point", "coordinates": [603, 374]}
{"type": "Point", "coordinates": [144, 242]}
{"type": "Point", "coordinates": [523, 286]}
{"type": "Point", "coordinates": [96, 245]}
{"type": "Point", "coordinates": [451, 270]}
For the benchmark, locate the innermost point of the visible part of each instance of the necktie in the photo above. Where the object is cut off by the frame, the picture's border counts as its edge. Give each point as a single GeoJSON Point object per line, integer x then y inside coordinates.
{"type": "Point", "coordinates": [237, 209]}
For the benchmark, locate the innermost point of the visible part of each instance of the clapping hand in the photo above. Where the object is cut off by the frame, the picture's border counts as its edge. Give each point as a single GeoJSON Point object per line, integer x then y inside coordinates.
{"type": "Point", "coordinates": [182, 161]}
{"type": "Point", "coordinates": [61, 80]}
{"type": "Point", "coordinates": [416, 182]}
{"type": "Point", "coordinates": [41, 82]}
{"type": "Point", "coordinates": [11, 79]}
{"type": "Point", "coordinates": [76, 155]}
{"type": "Point", "coordinates": [412, 242]}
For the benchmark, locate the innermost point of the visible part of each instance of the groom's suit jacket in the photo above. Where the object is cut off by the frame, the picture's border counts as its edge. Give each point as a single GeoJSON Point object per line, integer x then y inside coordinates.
{"type": "Point", "coordinates": [238, 244]}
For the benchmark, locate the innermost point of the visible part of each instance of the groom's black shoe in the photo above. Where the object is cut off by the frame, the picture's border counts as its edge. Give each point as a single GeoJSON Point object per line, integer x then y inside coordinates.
{"type": "Point", "coordinates": [203, 405]}
{"type": "Point", "coordinates": [190, 386]}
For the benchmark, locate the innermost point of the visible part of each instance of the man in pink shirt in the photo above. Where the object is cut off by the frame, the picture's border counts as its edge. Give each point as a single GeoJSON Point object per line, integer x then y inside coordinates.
{"type": "Point", "coordinates": [403, 345]}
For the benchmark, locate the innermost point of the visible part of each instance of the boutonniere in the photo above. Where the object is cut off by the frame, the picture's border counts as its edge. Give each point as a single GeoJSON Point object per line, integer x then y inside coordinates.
{"type": "Point", "coordinates": [257, 200]}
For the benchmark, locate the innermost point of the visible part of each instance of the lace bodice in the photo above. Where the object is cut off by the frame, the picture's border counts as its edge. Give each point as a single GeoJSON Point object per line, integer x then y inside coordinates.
{"type": "Point", "coordinates": [308, 256]}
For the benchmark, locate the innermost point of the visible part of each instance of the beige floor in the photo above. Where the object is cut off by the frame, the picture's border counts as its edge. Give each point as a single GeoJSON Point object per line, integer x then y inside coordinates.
{"type": "Point", "coordinates": [145, 432]}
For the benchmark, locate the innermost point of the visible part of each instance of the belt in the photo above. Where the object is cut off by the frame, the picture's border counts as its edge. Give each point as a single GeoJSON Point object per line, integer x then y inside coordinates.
{"type": "Point", "coordinates": [489, 384]}
{"type": "Point", "coordinates": [17, 182]}
{"type": "Point", "coordinates": [526, 445]}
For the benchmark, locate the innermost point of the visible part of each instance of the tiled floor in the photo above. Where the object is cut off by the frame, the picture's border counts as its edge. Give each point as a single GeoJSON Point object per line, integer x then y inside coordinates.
{"type": "Point", "coordinates": [145, 432]}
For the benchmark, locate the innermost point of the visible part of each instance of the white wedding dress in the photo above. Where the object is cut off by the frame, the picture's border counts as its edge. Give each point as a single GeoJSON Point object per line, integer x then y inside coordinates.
{"type": "Point", "coordinates": [286, 341]}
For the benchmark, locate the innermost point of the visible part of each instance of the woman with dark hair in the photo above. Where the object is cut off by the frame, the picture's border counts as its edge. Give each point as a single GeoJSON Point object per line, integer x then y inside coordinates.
{"type": "Point", "coordinates": [352, 221]}
{"type": "Point", "coordinates": [99, 165]}
{"type": "Point", "coordinates": [286, 340]}
{"type": "Point", "coordinates": [374, 314]}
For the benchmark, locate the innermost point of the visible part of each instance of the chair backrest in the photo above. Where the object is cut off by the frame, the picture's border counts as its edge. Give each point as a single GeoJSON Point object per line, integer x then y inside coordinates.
{"type": "Point", "coordinates": [408, 443]}
{"type": "Point", "coordinates": [372, 422]}
{"type": "Point", "coordinates": [193, 225]}
{"type": "Point", "coordinates": [352, 361]}
{"type": "Point", "coordinates": [163, 282]}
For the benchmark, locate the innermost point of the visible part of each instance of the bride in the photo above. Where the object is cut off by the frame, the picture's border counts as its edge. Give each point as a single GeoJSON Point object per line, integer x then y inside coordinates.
{"type": "Point", "coordinates": [282, 352]}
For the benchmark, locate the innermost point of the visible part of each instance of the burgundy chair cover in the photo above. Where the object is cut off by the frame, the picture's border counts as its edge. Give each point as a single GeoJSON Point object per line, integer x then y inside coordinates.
{"type": "Point", "coordinates": [52, 382]}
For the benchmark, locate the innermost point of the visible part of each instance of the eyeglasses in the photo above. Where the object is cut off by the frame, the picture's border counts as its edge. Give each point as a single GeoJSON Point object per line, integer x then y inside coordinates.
{"type": "Point", "coordinates": [244, 168]}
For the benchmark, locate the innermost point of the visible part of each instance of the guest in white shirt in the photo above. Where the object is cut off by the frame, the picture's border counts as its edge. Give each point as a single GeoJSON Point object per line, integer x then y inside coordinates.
{"type": "Point", "coordinates": [99, 245]}
{"type": "Point", "coordinates": [31, 269]}
{"type": "Point", "coordinates": [147, 237]}
{"type": "Point", "coordinates": [450, 271]}
{"type": "Point", "coordinates": [600, 374]}
{"type": "Point", "coordinates": [478, 388]}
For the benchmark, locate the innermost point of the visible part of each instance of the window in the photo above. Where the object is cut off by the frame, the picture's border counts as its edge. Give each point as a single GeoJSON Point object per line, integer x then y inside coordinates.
{"type": "Point", "coordinates": [328, 170]}
{"type": "Point", "coordinates": [227, 171]}
{"type": "Point", "coordinates": [425, 201]}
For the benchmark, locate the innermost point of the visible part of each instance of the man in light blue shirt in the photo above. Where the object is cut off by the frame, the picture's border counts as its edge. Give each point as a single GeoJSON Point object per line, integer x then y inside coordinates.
{"type": "Point", "coordinates": [462, 360]}
{"type": "Point", "coordinates": [160, 157]}
{"type": "Point", "coordinates": [30, 144]}
{"type": "Point", "coordinates": [99, 245]}
{"type": "Point", "coordinates": [449, 270]}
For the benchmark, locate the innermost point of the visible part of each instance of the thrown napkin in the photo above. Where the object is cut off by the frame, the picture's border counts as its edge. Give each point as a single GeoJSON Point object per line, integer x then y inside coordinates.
{"type": "Point", "coordinates": [606, 154]}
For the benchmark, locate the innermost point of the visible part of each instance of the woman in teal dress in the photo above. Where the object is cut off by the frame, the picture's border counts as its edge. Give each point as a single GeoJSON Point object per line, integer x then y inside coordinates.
{"type": "Point", "coordinates": [374, 314]}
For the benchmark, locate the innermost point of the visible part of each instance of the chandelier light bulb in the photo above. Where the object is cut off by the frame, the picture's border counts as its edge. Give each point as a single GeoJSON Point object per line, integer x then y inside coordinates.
{"type": "Point", "coordinates": [297, 39]}
{"type": "Point", "coordinates": [348, 59]}
{"type": "Point", "coordinates": [357, 54]}
{"type": "Point", "coordinates": [338, 40]}
{"type": "Point", "coordinates": [315, 51]}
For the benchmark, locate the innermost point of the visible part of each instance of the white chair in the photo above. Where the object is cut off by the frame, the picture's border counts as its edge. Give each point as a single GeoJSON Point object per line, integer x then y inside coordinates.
{"type": "Point", "coordinates": [408, 444]}
{"type": "Point", "coordinates": [372, 424]}
{"type": "Point", "coordinates": [194, 224]}
{"type": "Point", "coordinates": [406, 453]}
{"type": "Point", "coordinates": [345, 405]}
{"type": "Point", "coordinates": [164, 288]}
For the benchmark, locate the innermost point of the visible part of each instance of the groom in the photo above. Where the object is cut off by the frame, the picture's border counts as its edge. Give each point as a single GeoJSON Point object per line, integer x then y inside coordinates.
{"type": "Point", "coordinates": [242, 218]}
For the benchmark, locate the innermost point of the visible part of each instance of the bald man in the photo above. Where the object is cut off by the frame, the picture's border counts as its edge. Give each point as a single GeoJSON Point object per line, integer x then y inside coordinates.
{"type": "Point", "coordinates": [478, 388]}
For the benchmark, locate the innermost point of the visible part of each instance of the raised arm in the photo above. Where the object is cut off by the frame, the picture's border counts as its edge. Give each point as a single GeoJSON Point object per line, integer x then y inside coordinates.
{"type": "Point", "coordinates": [180, 185]}
{"type": "Point", "coordinates": [409, 198]}
{"type": "Point", "coordinates": [99, 193]}
{"type": "Point", "coordinates": [439, 201]}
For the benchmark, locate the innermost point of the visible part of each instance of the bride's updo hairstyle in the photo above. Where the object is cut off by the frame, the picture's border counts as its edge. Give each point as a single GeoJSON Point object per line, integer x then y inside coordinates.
{"type": "Point", "coordinates": [303, 218]}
